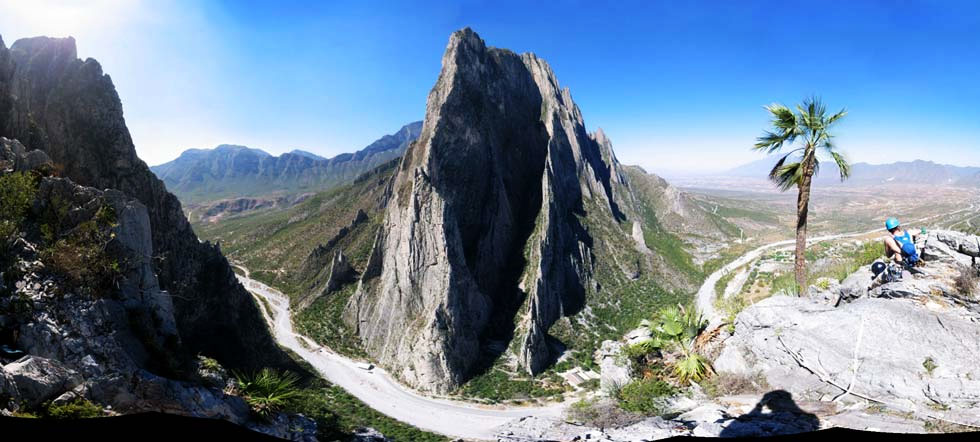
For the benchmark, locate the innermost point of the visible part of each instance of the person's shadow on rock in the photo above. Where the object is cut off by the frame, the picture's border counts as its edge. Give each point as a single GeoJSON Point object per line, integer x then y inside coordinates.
{"type": "Point", "coordinates": [785, 417]}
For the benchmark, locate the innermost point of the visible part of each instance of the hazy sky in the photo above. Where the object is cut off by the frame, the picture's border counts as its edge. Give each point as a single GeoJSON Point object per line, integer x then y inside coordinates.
{"type": "Point", "coordinates": [676, 85]}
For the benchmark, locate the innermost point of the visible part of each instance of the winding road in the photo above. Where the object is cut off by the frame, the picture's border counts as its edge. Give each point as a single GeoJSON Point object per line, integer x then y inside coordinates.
{"type": "Point", "coordinates": [379, 390]}
{"type": "Point", "coordinates": [706, 294]}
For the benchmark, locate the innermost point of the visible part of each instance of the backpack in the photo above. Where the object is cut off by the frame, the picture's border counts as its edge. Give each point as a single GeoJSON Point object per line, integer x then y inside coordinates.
{"type": "Point", "coordinates": [909, 254]}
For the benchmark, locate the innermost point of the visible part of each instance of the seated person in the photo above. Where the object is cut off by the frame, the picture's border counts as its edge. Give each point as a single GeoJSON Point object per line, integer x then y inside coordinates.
{"type": "Point", "coordinates": [900, 246]}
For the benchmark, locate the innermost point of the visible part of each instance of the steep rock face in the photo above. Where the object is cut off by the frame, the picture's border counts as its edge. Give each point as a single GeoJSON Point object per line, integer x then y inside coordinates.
{"type": "Point", "coordinates": [52, 101]}
{"type": "Point", "coordinates": [485, 222]}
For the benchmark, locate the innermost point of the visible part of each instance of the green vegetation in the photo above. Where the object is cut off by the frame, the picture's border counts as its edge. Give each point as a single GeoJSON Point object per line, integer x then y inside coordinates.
{"type": "Point", "coordinates": [338, 414]}
{"type": "Point", "coordinates": [811, 125]}
{"type": "Point", "coordinates": [677, 328]}
{"type": "Point", "coordinates": [647, 396]}
{"type": "Point", "coordinates": [497, 385]}
{"type": "Point", "coordinates": [727, 384]}
{"type": "Point", "coordinates": [673, 329]}
{"type": "Point", "coordinates": [17, 190]}
{"type": "Point", "coordinates": [668, 246]}
{"type": "Point", "coordinates": [210, 364]}
{"type": "Point", "coordinates": [723, 282]}
{"type": "Point", "coordinates": [77, 408]}
{"type": "Point", "coordinates": [80, 255]}
{"type": "Point", "coordinates": [267, 391]}
{"type": "Point", "coordinates": [323, 322]}
{"type": "Point", "coordinates": [274, 245]}
{"type": "Point", "coordinates": [930, 365]}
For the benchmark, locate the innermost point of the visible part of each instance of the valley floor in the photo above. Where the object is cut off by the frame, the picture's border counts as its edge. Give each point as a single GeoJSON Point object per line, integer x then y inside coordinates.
{"type": "Point", "coordinates": [379, 390]}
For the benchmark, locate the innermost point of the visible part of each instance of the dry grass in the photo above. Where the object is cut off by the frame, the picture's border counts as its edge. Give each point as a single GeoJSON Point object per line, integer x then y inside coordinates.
{"type": "Point", "coordinates": [601, 414]}
{"type": "Point", "coordinates": [728, 384]}
{"type": "Point", "coordinates": [968, 281]}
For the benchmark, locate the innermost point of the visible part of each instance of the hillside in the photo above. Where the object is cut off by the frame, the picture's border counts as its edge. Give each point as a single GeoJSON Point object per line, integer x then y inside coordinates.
{"type": "Point", "coordinates": [601, 241]}
{"type": "Point", "coordinates": [864, 174]}
{"type": "Point", "coordinates": [229, 171]}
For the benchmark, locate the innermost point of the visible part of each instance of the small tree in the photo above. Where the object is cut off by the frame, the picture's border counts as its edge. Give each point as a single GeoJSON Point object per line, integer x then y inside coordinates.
{"type": "Point", "coordinates": [811, 126]}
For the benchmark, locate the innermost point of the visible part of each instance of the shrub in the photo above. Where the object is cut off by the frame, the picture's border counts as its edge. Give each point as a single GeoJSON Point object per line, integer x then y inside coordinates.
{"type": "Point", "coordinates": [268, 391]}
{"type": "Point", "coordinates": [76, 409]}
{"type": "Point", "coordinates": [80, 255]}
{"type": "Point", "coordinates": [646, 396]}
{"type": "Point", "coordinates": [678, 327]}
{"type": "Point", "coordinates": [968, 280]}
{"type": "Point", "coordinates": [210, 364]}
{"type": "Point", "coordinates": [692, 367]}
{"type": "Point", "coordinates": [16, 193]}
{"type": "Point", "coordinates": [930, 365]}
{"type": "Point", "coordinates": [601, 414]}
{"type": "Point", "coordinates": [724, 384]}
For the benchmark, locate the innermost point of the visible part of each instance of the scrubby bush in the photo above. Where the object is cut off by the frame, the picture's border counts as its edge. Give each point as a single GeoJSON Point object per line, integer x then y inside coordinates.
{"type": "Point", "coordinates": [76, 409]}
{"type": "Point", "coordinates": [968, 280]}
{"type": "Point", "coordinates": [17, 190]}
{"type": "Point", "coordinates": [268, 391]}
{"type": "Point", "coordinates": [676, 328]}
{"type": "Point", "coordinates": [601, 414]}
{"type": "Point", "coordinates": [725, 384]}
{"type": "Point", "coordinates": [80, 254]}
{"type": "Point", "coordinates": [646, 396]}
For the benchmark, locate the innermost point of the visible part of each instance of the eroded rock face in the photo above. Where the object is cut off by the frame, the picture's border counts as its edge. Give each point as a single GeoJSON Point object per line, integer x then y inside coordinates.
{"type": "Point", "coordinates": [483, 220]}
{"type": "Point", "coordinates": [51, 101]}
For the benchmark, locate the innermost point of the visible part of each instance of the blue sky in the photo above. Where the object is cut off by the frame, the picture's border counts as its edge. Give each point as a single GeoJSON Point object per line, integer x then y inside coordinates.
{"type": "Point", "coordinates": [677, 86]}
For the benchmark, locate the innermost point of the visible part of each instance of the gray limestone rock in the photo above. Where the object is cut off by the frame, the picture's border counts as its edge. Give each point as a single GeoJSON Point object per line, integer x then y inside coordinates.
{"type": "Point", "coordinates": [614, 368]}
{"type": "Point", "coordinates": [366, 434]}
{"type": "Point", "coordinates": [482, 215]}
{"type": "Point", "coordinates": [38, 379]}
{"type": "Point", "coordinates": [880, 348]}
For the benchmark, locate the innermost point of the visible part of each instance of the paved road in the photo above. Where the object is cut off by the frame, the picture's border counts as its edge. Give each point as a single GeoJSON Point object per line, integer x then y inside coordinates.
{"type": "Point", "coordinates": [377, 389]}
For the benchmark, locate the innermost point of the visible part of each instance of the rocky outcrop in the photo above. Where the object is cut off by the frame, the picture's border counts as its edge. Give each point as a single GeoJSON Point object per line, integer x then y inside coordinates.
{"type": "Point", "coordinates": [481, 220]}
{"type": "Point", "coordinates": [503, 218]}
{"type": "Point", "coordinates": [105, 335]}
{"type": "Point", "coordinates": [909, 344]}
{"type": "Point", "coordinates": [66, 107]}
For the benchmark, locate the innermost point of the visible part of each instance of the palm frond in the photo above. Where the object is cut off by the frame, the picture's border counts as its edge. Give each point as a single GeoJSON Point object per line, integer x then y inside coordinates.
{"type": "Point", "coordinates": [833, 118]}
{"type": "Point", "coordinates": [787, 129]}
{"type": "Point", "coordinates": [787, 175]}
{"type": "Point", "coordinates": [842, 164]}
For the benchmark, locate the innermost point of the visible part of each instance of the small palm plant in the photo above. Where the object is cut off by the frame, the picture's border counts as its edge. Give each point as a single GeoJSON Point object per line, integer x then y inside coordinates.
{"type": "Point", "coordinates": [811, 126]}
{"type": "Point", "coordinates": [677, 327]}
{"type": "Point", "coordinates": [268, 391]}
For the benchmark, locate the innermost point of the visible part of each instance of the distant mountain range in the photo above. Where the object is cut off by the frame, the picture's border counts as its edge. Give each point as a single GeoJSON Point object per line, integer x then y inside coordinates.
{"type": "Point", "coordinates": [911, 172]}
{"type": "Point", "coordinates": [230, 171]}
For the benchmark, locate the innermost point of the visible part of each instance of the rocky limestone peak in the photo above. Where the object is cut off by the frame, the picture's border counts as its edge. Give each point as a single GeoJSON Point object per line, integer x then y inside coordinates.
{"type": "Point", "coordinates": [482, 230]}
{"type": "Point", "coordinates": [52, 101]}
{"type": "Point", "coordinates": [61, 50]}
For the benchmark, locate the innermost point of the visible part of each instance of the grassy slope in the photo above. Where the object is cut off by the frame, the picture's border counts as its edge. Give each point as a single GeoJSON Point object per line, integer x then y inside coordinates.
{"type": "Point", "coordinates": [275, 244]}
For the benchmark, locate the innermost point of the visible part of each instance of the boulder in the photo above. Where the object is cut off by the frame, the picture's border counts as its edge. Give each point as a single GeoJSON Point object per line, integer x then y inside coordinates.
{"type": "Point", "coordinates": [295, 427]}
{"type": "Point", "coordinates": [614, 368]}
{"type": "Point", "coordinates": [38, 379]}
{"type": "Point", "coordinates": [368, 435]}
{"type": "Point", "coordinates": [9, 395]}
{"type": "Point", "coordinates": [895, 350]}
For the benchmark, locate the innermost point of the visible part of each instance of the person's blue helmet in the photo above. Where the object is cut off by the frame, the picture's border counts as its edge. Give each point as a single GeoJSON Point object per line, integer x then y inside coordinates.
{"type": "Point", "coordinates": [891, 223]}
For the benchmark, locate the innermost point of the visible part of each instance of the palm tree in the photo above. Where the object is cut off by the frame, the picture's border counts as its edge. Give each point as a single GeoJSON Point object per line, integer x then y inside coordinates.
{"type": "Point", "coordinates": [810, 126]}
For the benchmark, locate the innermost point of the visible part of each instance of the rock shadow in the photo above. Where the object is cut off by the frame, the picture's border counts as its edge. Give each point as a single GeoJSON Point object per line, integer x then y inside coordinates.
{"type": "Point", "coordinates": [784, 417]}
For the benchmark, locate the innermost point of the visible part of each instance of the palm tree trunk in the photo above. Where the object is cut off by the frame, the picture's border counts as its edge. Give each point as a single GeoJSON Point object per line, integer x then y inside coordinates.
{"type": "Point", "coordinates": [802, 210]}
